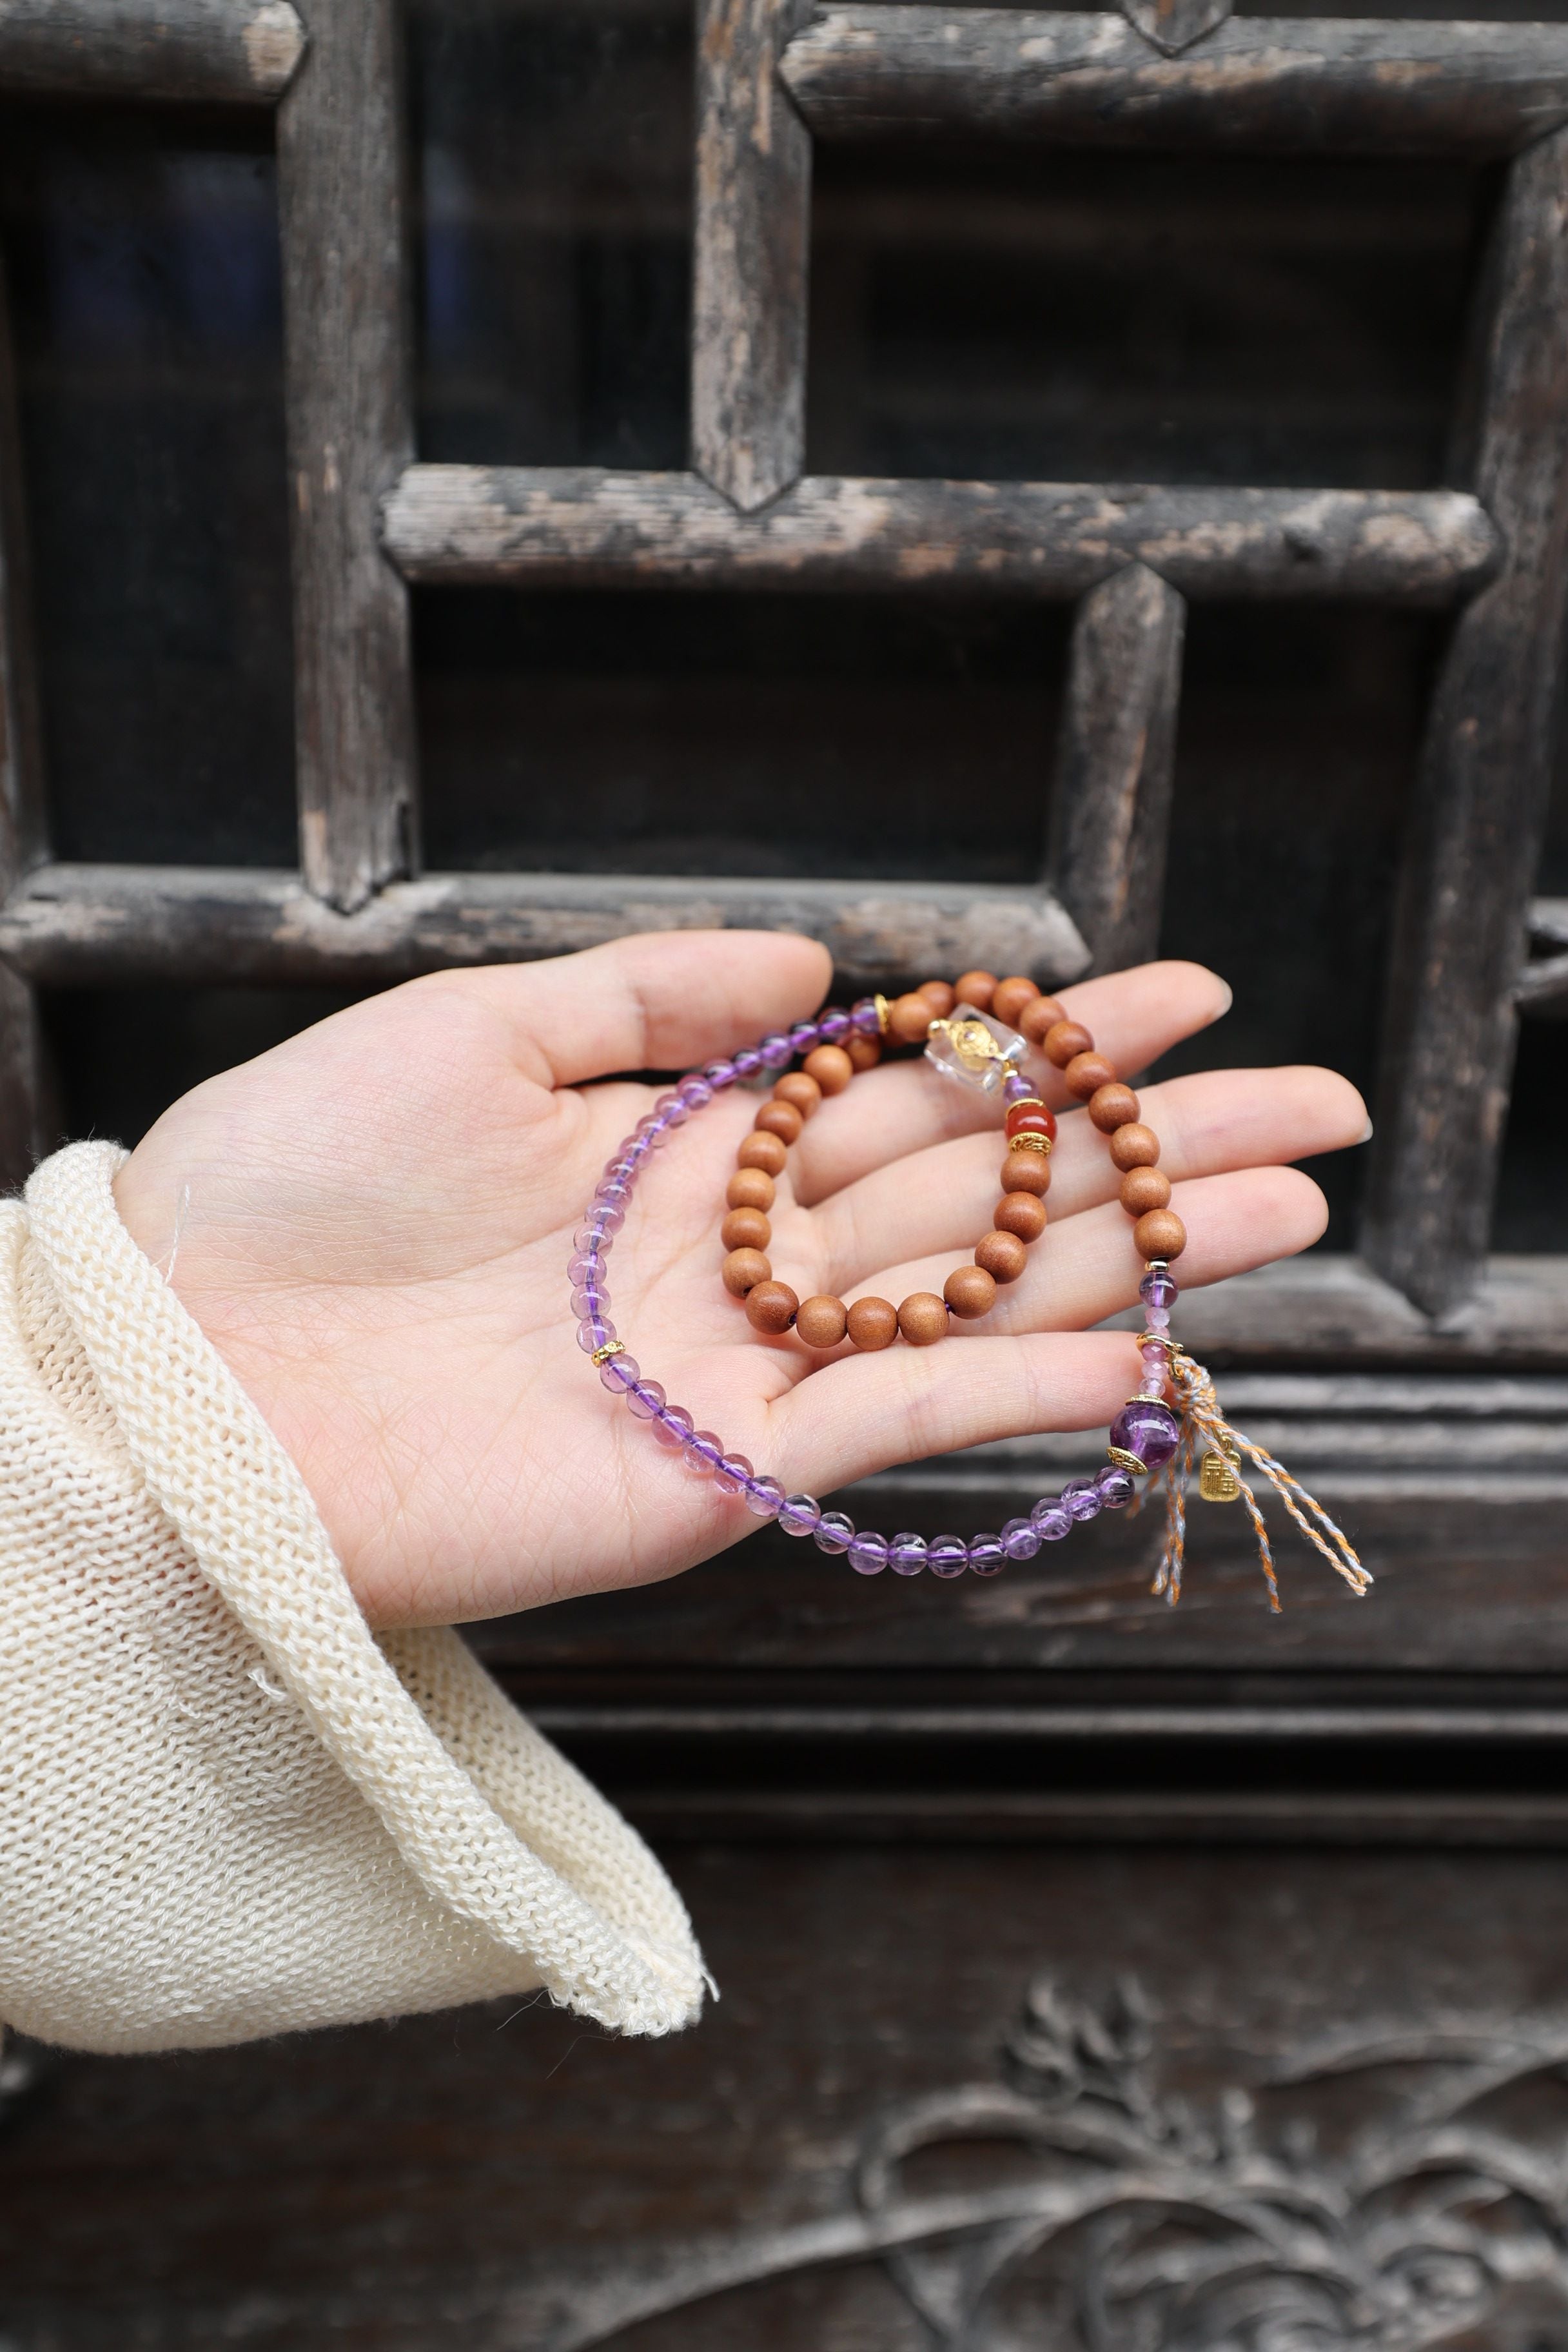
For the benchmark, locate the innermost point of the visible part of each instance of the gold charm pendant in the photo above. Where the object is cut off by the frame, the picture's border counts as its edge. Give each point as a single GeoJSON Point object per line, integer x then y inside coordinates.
{"type": "Point", "coordinates": [1217, 1481]}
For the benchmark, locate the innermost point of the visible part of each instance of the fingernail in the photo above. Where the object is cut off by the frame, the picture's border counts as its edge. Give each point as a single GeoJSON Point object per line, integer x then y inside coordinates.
{"type": "Point", "coordinates": [1220, 1012]}
{"type": "Point", "coordinates": [1366, 1135]}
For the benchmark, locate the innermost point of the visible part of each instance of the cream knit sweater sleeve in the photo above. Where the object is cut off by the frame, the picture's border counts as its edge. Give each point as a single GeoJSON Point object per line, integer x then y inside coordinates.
{"type": "Point", "coordinates": [227, 1808]}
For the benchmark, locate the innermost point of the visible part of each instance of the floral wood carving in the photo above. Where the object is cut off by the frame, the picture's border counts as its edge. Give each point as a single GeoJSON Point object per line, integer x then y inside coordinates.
{"type": "Point", "coordinates": [1385, 2193]}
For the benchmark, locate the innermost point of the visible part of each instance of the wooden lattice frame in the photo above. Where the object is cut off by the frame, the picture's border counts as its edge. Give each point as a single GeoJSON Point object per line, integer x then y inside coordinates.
{"type": "Point", "coordinates": [366, 521]}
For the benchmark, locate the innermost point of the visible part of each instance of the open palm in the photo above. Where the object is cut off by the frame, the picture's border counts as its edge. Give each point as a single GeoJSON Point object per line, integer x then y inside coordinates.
{"type": "Point", "coordinates": [373, 1224]}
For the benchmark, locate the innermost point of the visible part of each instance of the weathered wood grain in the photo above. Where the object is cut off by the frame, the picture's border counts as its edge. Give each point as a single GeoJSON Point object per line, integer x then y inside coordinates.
{"type": "Point", "coordinates": [347, 364]}
{"type": "Point", "coordinates": [1479, 803]}
{"type": "Point", "coordinates": [1111, 806]}
{"type": "Point", "coordinates": [1543, 985]}
{"type": "Point", "coordinates": [85, 925]}
{"type": "Point", "coordinates": [751, 244]}
{"type": "Point", "coordinates": [561, 526]}
{"type": "Point", "coordinates": [1175, 24]}
{"type": "Point", "coordinates": [1358, 85]}
{"type": "Point", "coordinates": [23, 1075]}
{"type": "Point", "coordinates": [208, 52]}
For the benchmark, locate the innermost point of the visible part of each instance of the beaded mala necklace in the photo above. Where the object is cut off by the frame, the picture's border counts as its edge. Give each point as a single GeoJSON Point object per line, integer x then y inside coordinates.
{"type": "Point", "coordinates": [966, 1031]}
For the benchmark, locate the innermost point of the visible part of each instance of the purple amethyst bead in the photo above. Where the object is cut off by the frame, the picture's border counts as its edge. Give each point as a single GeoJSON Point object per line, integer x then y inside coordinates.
{"type": "Point", "coordinates": [1020, 1540]}
{"type": "Point", "coordinates": [620, 1373]}
{"type": "Point", "coordinates": [908, 1556]}
{"type": "Point", "coordinates": [764, 1497]}
{"type": "Point", "coordinates": [865, 1019]}
{"type": "Point", "coordinates": [833, 1532]}
{"type": "Point", "coordinates": [670, 1110]}
{"type": "Point", "coordinates": [673, 1426]}
{"type": "Point", "coordinates": [1080, 1498]}
{"type": "Point", "coordinates": [947, 1556]}
{"type": "Point", "coordinates": [611, 1194]}
{"type": "Point", "coordinates": [800, 1514]}
{"type": "Point", "coordinates": [985, 1555]}
{"type": "Point", "coordinates": [704, 1451]}
{"type": "Point", "coordinates": [1148, 1429]}
{"type": "Point", "coordinates": [594, 1331]}
{"type": "Point", "coordinates": [695, 1091]}
{"type": "Point", "coordinates": [833, 1025]}
{"type": "Point", "coordinates": [776, 1050]}
{"type": "Point", "coordinates": [645, 1400]}
{"type": "Point", "coordinates": [1049, 1520]}
{"type": "Point", "coordinates": [590, 1301]}
{"type": "Point", "coordinates": [1159, 1288]}
{"type": "Point", "coordinates": [748, 1062]}
{"type": "Point", "coordinates": [869, 1554]}
{"type": "Point", "coordinates": [733, 1474]}
{"type": "Point", "coordinates": [1015, 1088]}
{"type": "Point", "coordinates": [721, 1074]}
{"type": "Point", "coordinates": [804, 1037]}
{"type": "Point", "coordinates": [1117, 1487]}
{"type": "Point", "coordinates": [584, 1265]}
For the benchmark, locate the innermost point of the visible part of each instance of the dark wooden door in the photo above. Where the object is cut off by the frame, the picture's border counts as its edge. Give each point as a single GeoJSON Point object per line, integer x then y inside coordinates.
{"type": "Point", "coordinates": [1028, 489]}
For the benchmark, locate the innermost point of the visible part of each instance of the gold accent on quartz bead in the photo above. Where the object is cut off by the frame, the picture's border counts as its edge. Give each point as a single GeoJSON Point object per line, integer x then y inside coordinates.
{"type": "Point", "coordinates": [1125, 1460]}
{"type": "Point", "coordinates": [611, 1348]}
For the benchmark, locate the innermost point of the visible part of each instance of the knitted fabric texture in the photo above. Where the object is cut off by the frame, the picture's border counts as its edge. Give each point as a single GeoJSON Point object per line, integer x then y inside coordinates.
{"type": "Point", "coordinates": [227, 1808]}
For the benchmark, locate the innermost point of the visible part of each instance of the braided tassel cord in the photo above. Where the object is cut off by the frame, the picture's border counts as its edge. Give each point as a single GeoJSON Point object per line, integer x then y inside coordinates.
{"type": "Point", "coordinates": [1205, 1426]}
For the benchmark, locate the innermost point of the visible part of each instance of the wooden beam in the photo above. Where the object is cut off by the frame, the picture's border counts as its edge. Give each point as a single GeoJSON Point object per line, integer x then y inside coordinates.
{"type": "Point", "coordinates": [24, 1088]}
{"type": "Point", "coordinates": [1358, 85]}
{"type": "Point", "coordinates": [1175, 24]}
{"type": "Point", "coordinates": [1543, 984]}
{"type": "Point", "coordinates": [1480, 805]}
{"type": "Point", "coordinates": [752, 237]}
{"type": "Point", "coordinates": [208, 52]}
{"type": "Point", "coordinates": [572, 527]}
{"type": "Point", "coordinates": [91, 925]}
{"type": "Point", "coordinates": [350, 426]}
{"type": "Point", "coordinates": [1110, 808]}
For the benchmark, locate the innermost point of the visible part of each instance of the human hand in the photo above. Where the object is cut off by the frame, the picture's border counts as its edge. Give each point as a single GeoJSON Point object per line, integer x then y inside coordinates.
{"type": "Point", "coordinates": [372, 1222]}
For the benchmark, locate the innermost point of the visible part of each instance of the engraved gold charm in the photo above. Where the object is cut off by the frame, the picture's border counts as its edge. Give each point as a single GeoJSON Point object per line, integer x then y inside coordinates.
{"type": "Point", "coordinates": [1217, 1479]}
{"type": "Point", "coordinates": [971, 1042]}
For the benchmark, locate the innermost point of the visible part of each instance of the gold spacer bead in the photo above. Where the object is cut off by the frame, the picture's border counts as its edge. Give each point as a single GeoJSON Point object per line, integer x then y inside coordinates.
{"type": "Point", "coordinates": [883, 1009]}
{"type": "Point", "coordinates": [1028, 1102]}
{"type": "Point", "coordinates": [1125, 1460]}
{"type": "Point", "coordinates": [611, 1348]}
{"type": "Point", "coordinates": [1041, 1143]}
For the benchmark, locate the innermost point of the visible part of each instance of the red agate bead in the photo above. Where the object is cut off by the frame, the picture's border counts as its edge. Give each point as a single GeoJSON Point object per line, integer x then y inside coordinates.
{"type": "Point", "coordinates": [1031, 1119]}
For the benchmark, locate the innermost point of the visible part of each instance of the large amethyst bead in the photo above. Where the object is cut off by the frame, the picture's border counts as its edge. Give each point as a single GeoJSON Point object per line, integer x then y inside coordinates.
{"type": "Point", "coordinates": [1148, 1429]}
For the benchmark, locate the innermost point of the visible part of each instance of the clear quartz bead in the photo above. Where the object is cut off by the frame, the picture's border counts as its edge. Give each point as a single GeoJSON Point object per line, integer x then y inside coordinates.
{"type": "Point", "coordinates": [974, 1050]}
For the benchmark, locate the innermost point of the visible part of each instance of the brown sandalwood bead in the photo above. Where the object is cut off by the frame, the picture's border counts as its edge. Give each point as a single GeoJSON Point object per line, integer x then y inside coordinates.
{"type": "Point", "coordinates": [1020, 1214]}
{"type": "Point", "coordinates": [939, 996]}
{"type": "Point", "coordinates": [742, 1270]}
{"type": "Point", "coordinates": [976, 988]}
{"type": "Point", "coordinates": [970, 1291]}
{"type": "Point", "coordinates": [1010, 997]}
{"type": "Point", "coordinates": [1144, 1188]}
{"type": "Point", "coordinates": [864, 1052]}
{"type": "Point", "coordinates": [802, 1091]}
{"type": "Point", "coordinates": [764, 1151]}
{"type": "Point", "coordinates": [908, 1018]}
{"type": "Point", "coordinates": [821, 1322]}
{"type": "Point", "coordinates": [745, 1229]}
{"type": "Point", "coordinates": [1161, 1233]}
{"type": "Point", "coordinates": [829, 1067]}
{"type": "Point", "coordinates": [1039, 1017]}
{"type": "Point", "coordinates": [1112, 1107]}
{"type": "Point", "coordinates": [872, 1323]}
{"type": "Point", "coordinates": [1067, 1038]}
{"type": "Point", "coordinates": [749, 1188]}
{"type": "Point", "coordinates": [770, 1306]}
{"type": "Point", "coordinates": [1135, 1146]}
{"type": "Point", "coordinates": [779, 1118]}
{"type": "Point", "coordinates": [1026, 1172]}
{"type": "Point", "coordinates": [1087, 1073]}
{"type": "Point", "coordinates": [922, 1319]}
{"type": "Point", "coordinates": [1002, 1256]}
